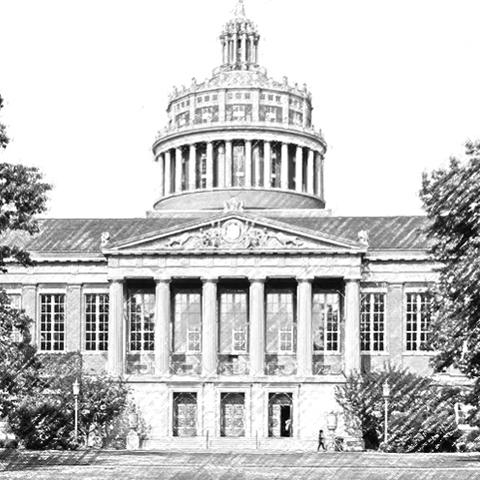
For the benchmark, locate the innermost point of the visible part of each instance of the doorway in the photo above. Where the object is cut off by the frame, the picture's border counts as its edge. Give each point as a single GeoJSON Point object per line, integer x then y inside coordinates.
{"type": "Point", "coordinates": [280, 415]}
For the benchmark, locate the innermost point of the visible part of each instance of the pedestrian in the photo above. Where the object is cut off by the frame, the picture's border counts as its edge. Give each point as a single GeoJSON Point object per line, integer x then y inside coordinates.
{"type": "Point", "coordinates": [321, 441]}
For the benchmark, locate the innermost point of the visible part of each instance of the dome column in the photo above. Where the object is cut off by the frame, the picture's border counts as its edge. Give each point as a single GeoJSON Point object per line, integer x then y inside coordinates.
{"type": "Point", "coordinates": [228, 163]}
{"type": "Point", "coordinates": [267, 164]}
{"type": "Point", "coordinates": [161, 164]}
{"type": "Point", "coordinates": [248, 163]}
{"type": "Point", "coordinates": [284, 167]}
{"type": "Point", "coordinates": [310, 173]}
{"type": "Point", "coordinates": [209, 165]}
{"type": "Point", "coordinates": [178, 170]}
{"type": "Point", "coordinates": [192, 160]}
{"type": "Point", "coordinates": [168, 173]}
{"type": "Point", "coordinates": [299, 169]}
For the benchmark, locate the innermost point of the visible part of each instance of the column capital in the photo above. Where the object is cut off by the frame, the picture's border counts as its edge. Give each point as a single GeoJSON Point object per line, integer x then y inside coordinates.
{"type": "Point", "coordinates": [209, 279]}
{"type": "Point", "coordinates": [257, 279]}
{"type": "Point", "coordinates": [162, 279]}
{"type": "Point", "coordinates": [353, 279]}
{"type": "Point", "coordinates": [116, 279]}
{"type": "Point", "coordinates": [305, 279]}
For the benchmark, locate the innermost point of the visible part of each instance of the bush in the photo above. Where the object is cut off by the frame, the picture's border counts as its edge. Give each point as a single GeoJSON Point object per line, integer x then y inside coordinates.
{"type": "Point", "coordinates": [421, 414]}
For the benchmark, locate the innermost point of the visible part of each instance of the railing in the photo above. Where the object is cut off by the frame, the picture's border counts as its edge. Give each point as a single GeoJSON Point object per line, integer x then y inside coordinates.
{"type": "Point", "coordinates": [235, 366]}
{"type": "Point", "coordinates": [282, 366]}
{"type": "Point", "coordinates": [140, 364]}
{"type": "Point", "coordinates": [167, 131]}
{"type": "Point", "coordinates": [319, 368]}
{"type": "Point", "coordinates": [189, 365]}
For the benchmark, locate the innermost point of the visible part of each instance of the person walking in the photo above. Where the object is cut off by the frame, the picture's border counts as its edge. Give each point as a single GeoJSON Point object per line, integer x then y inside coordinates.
{"type": "Point", "coordinates": [321, 441]}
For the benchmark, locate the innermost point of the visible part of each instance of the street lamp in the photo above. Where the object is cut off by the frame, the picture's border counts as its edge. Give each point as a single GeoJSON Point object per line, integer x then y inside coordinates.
{"type": "Point", "coordinates": [76, 392]}
{"type": "Point", "coordinates": [386, 396]}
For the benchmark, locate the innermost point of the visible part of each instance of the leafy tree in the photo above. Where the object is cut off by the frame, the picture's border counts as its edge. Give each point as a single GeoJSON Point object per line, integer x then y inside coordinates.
{"type": "Point", "coordinates": [451, 200]}
{"type": "Point", "coordinates": [3, 134]}
{"type": "Point", "coordinates": [421, 414]}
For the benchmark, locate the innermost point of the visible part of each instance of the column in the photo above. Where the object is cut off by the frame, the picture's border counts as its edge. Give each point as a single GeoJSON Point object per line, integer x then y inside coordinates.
{"type": "Point", "coordinates": [394, 323]}
{"type": "Point", "coordinates": [221, 165]}
{"type": "Point", "coordinates": [168, 172]}
{"type": "Point", "coordinates": [223, 51]}
{"type": "Point", "coordinates": [244, 48]}
{"type": "Point", "coordinates": [209, 165]}
{"type": "Point", "coordinates": [317, 174]}
{"type": "Point", "coordinates": [116, 329]}
{"type": "Point", "coordinates": [248, 163]}
{"type": "Point", "coordinates": [304, 327]}
{"type": "Point", "coordinates": [235, 48]}
{"type": "Point", "coordinates": [73, 340]}
{"type": "Point", "coordinates": [228, 163]}
{"type": "Point", "coordinates": [322, 180]}
{"type": "Point", "coordinates": [267, 165]}
{"type": "Point", "coordinates": [29, 304]}
{"type": "Point", "coordinates": [257, 165]}
{"type": "Point", "coordinates": [310, 172]}
{"type": "Point", "coordinates": [178, 170]}
{"type": "Point", "coordinates": [161, 164]}
{"type": "Point", "coordinates": [257, 326]}
{"type": "Point", "coordinates": [299, 169]}
{"type": "Point", "coordinates": [162, 326]}
{"type": "Point", "coordinates": [209, 327]}
{"type": "Point", "coordinates": [192, 168]}
{"type": "Point", "coordinates": [352, 326]}
{"type": "Point", "coordinates": [284, 167]}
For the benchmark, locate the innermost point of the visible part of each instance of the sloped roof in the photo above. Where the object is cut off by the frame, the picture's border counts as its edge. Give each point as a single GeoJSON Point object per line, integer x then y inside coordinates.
{"type": "Point", "coordinates": [83, 236]}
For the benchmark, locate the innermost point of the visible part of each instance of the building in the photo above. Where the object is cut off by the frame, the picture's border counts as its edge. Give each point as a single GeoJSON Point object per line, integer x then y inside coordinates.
{"type": "Point", "coordinates": [238, 304]}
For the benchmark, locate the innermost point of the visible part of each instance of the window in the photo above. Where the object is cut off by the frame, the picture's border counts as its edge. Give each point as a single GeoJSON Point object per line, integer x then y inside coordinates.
{"type": "Point", "coordinates": [270, 114]}
{"type": "Point", "coordinates": [326, 322]}
{"type": "Point", "coordinates": [280, 319]}
{"type": "Point", "coordinates": [206, 115]}
{"type": "Point", "coordinates": [417, 321]}
{"type": "Point", "coordinates": [247, 96]}
{"type": "Point", "coordinates": [182, 119]}
{"type": "Point", "coordinates": [233, 321]}
{"type": "Point", "coordinates": [96, 322]}
{"type": "Point", "coordinates": [207, 98]}
{"type": "Point", "coordinates": [372, 322]}
{"type": "Point", "coordinates": [16, 303]}
{"type": "Point", "coordinates": [277, 98]}
{"type": "Point", "coordinates": [238, 112]}
{"type": "Point", "coordinates": [187, 318]}
{"type": "Point", "coordinates": [141, 312]}
{"type": "Point", "coordinates": [52, 322]}
{"type": "Point", "coordinates": [214, 98]}
{"type": "Point", "coordinates": [238, 96]}
{"type": "Point", "coordinates": [295, 118]}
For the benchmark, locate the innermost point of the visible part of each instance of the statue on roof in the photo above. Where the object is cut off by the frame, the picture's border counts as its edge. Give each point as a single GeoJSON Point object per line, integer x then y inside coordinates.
{"type": "Point", "coordinates": [239, 9]}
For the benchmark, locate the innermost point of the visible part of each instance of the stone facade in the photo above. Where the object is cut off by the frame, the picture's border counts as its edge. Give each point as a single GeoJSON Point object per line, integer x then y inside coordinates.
{"type": "Point", "coordinates": [235, 308]}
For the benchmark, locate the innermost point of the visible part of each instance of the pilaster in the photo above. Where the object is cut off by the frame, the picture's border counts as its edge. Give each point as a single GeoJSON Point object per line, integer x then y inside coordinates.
{"type": "Point", "coordinates": [116, 329]}
{"type": "Point", "coordinates": [29, 304]}
{"type": "Point", "coordinates": [162, 327]}
{"type": "Point", "coordinates": [257, 326]}
{"type": "Point", "coordinates": [304, 327]}
{"type": "Point", "coordinates": [352, 326]}
{"type": "Point", "coordinates": [74, 318]}
{"type": "Point", "coordinates": [209, 324]}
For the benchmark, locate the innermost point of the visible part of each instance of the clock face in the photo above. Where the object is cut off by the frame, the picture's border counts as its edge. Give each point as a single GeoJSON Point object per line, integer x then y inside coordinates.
{"type": "Point", "coordinates": [233, 231]}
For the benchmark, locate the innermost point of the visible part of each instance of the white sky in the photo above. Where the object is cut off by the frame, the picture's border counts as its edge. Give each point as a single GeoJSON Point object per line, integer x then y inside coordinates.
{"type": "Point", "coordinates": [396, 90]}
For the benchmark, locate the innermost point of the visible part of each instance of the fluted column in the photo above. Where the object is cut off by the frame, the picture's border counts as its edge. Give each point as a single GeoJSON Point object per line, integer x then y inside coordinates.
{"type": "Point", "coordinates": [162, 327]}
{"type": "Point", "coordinates": [228, 163]}
{"type": "Point", "coordinates": [352, 325]}
{"type": "Point", "coordinates": [235, 48]}
{"type": "Point", "coordinates": [248, 163]}
{"type": "Point", "coordinates": [267, 164]}
{"type": "Point", "coordinates": [257, 165]}
{"type": "Point", "coordinates": [168, 173]}
{"type": "Point", "coordinates": [221, 165]}
{"type": "Point", "coordinates": [161, 164]}
{"type": "Point", "coordinates": [284, 167]}
{"type": "Point", "coordinates": [209, 165]}
{"type": "Point", "coordinates": [310, 172]}
{"type": "Point", "coordinates": [178, 170]}
{"type": "Point", "coordinates": [317, 174]}
{"type": "Point", "coordinates": [116, 329]}
{"type": "Point", "coordinates": [209, 324]}
{"type": "Point", "coordinates": [257, 326]}
{"type": "Point", "coordinates": [322, 178]}
{"type": "Point", "coordinates": [192, 167]}
{"type": "Point", "coordinates": [304, 327]}
{"type": "Point", "coordinates": [244, 48]}
{"type": "Point", "coordinates": [299, 169]}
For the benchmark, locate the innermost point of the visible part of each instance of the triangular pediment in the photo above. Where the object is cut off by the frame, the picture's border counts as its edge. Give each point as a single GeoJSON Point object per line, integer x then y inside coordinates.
{"type": "Point", "coordinates": [235, 233]}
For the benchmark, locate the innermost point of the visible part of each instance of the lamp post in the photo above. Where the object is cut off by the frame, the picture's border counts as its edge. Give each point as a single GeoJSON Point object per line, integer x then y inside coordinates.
{"type": "Point", "coordinates": [76, 392]}
{"type": "Point", "coordinates": [386, 396]}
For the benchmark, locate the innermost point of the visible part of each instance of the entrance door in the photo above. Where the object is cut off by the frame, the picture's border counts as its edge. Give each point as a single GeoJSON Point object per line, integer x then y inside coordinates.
{"type": "Point", "coordinates": [280, 413]}
{"type": "Point", "coordinates": [232, 415]}
{"type": "Point", "coordinates": [184, 414]}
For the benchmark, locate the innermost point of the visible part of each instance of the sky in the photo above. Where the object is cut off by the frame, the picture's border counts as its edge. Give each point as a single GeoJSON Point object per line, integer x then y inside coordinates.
{"type": "Point", "coordinates": [395, 85]}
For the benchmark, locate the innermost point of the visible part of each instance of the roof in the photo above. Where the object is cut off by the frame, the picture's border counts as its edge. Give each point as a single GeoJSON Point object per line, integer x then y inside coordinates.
{"type": "Point", "coordinates": [83, 236]}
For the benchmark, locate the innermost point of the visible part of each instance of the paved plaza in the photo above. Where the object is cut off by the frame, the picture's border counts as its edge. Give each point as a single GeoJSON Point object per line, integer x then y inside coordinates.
{"type": "Point", "coordinates": [95, 465]}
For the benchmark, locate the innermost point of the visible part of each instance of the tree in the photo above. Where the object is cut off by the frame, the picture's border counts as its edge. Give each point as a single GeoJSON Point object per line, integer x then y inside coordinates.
{"type": "Point", "coordinates": [451, 200]}
{"type": "Point", "coordinates": [421, 414]}
{"type": "Point", "coordinates": [3, 134]}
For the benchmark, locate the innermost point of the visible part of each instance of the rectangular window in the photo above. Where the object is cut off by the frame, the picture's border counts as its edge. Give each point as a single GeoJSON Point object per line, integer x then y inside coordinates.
{"type": "Point", "coordinates": [96, 322]}
{"type": "Point", "coordinates": [417, 321]}
{"type": "Point", "coordinates": [326, 322]}
{"type": "Point", "coordinates": [207, 98]}
{"type": "Point", "coordinates": [206, 114]}
{"type": "Point", "coordinates": [187, 321]}
{"type": "Point", "coordinates": [372, 322]}
{"type": "Point", "coordinates": [280, 319]}
{"type": "Point", "coordinates": [52, 322]}
{"type": "Point", "coordinates": [270, 114]}
{"type": "Point", "coordinates": [233, 321]}
{"type": "Point", "coordinates": [240, 112]}
{"type": "Point", "coordinates": [141, 313]}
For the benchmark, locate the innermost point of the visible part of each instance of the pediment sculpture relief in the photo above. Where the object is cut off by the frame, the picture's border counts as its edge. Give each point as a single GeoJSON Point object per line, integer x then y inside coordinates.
{"type": "Point", "coordinates": [233, 234]}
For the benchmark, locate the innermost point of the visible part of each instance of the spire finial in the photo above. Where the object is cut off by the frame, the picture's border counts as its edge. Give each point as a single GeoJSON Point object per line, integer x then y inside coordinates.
{"type": "Point", "coordinates": [239, 9]}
